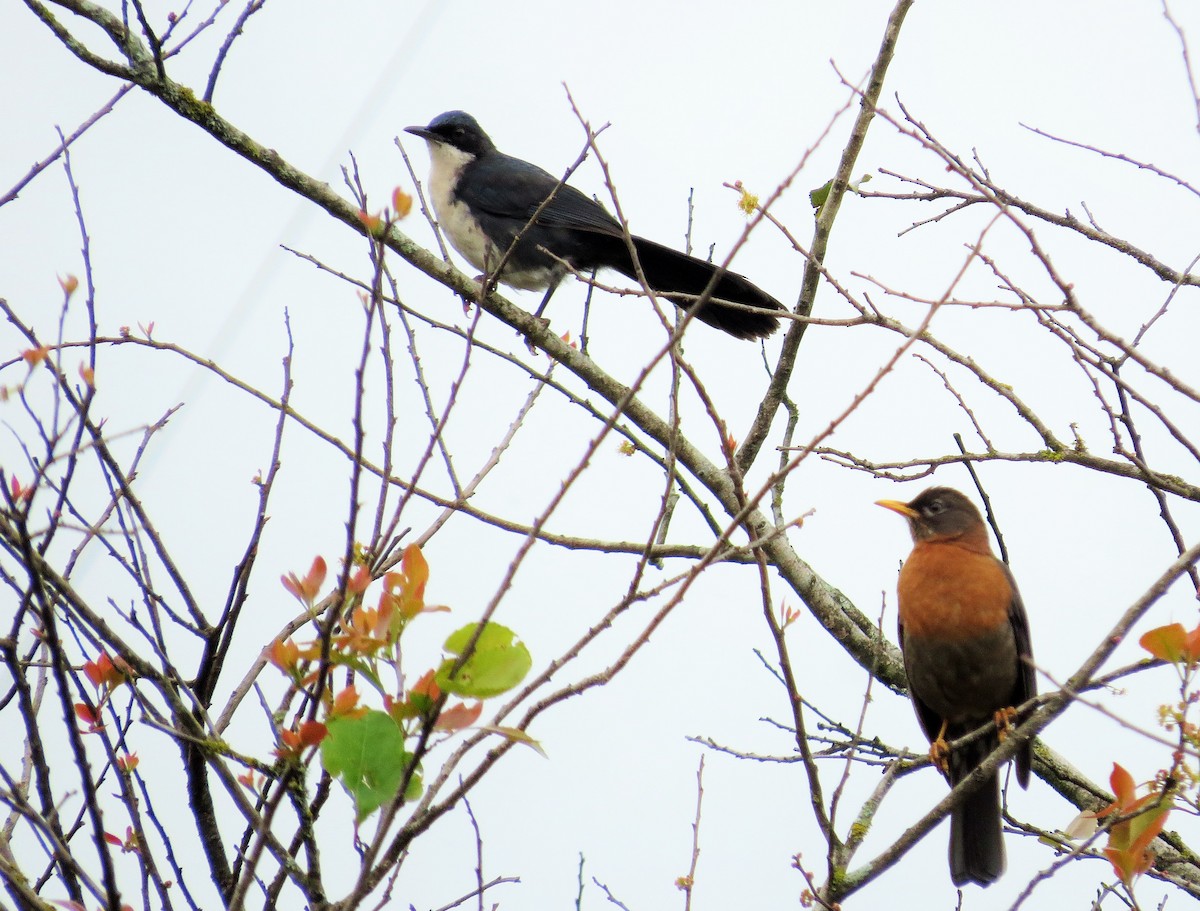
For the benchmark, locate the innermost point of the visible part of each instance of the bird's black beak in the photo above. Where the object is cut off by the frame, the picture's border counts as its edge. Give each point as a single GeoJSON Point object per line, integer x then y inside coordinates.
{"type": "Point", "coordinates": [423, 132]}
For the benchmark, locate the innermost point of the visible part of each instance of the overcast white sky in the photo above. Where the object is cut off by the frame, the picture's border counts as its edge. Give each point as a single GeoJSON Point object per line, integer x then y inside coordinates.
{"type": "Point", "coordinates": [187, 236]}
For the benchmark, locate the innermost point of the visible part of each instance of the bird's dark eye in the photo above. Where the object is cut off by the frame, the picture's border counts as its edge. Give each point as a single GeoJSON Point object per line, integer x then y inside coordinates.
{"type": "Point", "coordinates": [934, 507]}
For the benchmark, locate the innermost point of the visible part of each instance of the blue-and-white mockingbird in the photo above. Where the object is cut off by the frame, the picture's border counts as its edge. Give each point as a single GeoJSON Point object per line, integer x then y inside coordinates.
{"type": "Point", "coordinates": [493, 208]}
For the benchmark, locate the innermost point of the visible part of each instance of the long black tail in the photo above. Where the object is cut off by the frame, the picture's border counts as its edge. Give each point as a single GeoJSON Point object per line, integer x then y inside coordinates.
{"type": "Point", "coordinates": [977, 836]}
{"type": "Point", "coordinates": [668, 272]}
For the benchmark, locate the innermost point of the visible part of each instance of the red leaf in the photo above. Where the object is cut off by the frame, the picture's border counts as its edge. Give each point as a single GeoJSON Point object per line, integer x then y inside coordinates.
{"type": "Point", "coordinates": [103, 673]}
{"type": "Point", "coordinates": [426, 686]}
{"type": "Point", "coordinates": [312, 733]}
{"type": "Point", "coordinates": [458, 716]}
{"type": "Point", "coordinates": [247, 780]}
{"type": "Point", "coordinates": [19, 493]}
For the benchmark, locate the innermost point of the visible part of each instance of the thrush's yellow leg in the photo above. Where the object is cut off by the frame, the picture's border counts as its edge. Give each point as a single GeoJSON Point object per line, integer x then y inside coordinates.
{"type": "Point", "coordinates": [1006, 720]}
{"type": "Point", "coordinates": [939, 750]}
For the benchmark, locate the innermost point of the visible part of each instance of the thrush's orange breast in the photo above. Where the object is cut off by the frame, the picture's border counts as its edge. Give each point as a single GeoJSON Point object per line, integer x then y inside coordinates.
{"type": "Point", "coordinates": [948, 591]}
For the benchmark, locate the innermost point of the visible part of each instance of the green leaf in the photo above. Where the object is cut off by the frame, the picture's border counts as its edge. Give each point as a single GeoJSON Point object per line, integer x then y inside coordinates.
{"type": "Point", "coordinates": [818, 196]}
{"type": "Point", "coordinates": [516, 735]}
{"type": "Point", "coordinates": [359, 666]}
{"type": "Point", "coordinates": [498, 663]}
{"type": "Point", "coordinates": [366, 754]}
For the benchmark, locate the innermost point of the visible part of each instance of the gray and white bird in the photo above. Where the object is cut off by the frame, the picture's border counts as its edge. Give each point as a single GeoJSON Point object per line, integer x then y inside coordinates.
{"type": "Point", "coordinates": [485, 201]}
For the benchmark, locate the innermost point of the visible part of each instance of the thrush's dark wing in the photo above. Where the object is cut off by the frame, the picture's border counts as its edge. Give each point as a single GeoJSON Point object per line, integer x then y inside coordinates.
{"type": "Point", "coordinates": [1026, 686]}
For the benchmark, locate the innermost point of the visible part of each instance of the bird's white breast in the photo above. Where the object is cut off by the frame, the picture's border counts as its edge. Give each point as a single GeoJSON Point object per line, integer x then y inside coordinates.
{"type": "Point", "coordinates": [446, 167]}
{"type": "Point", "coordinates": [446, 164]}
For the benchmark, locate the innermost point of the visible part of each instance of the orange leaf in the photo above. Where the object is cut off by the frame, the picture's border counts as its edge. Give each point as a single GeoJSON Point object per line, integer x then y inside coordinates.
{"type": "Point", "coordinates": [373, 223]}
{"type": "Point", "coordinates": [401, 202]}
{"type": "Point", "coordinates": [1122, 864]}
{"type": "Point", "coordinates": [309, 587]}
{"type": "Point", "coordinates": [1192, 647]}
{"type": "Point", "coordinates": [1123, 787]}
{"type": "Point", "coordinates": [1167, 643]}
{"type": "Point", "coordinates": [34, 356]}
{"type": "Point", "coordinates": [103, 673]}
{"type": "Point", "coordinates": [364, 632]}
{"type": "Point", "coordinates": [68, 284]}
{"type": "Point", "coordinates": [416, 571]}
{"type": "Point", "coordinates": [94, 670]}
{"type": "Point", "coordinates": [1129, 839]}
{"type": "Point", "coordinates": [345, 703]}
{"type": "Point", "coordinates": [284, 654]}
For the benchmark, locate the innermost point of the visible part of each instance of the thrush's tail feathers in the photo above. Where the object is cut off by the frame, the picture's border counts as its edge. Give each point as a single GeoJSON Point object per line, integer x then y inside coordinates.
{"type": "Point", "coordinates": [977, 837]}
{"type": "Point", "coordinates": [668, 271]}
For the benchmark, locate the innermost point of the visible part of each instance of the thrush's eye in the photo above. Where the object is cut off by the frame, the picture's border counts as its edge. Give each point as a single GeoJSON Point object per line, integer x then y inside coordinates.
{"type": "Point", "coordinates": [935, 507]}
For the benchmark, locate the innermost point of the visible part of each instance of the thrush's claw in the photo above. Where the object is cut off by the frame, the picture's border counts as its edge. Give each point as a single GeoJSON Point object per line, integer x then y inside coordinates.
{"type": "Point", "coordinates": [939, 755]}
{"type": "Point", "coordinates": [1006, 720]}
{"type": "Point", "coordinates": [939, 751]}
